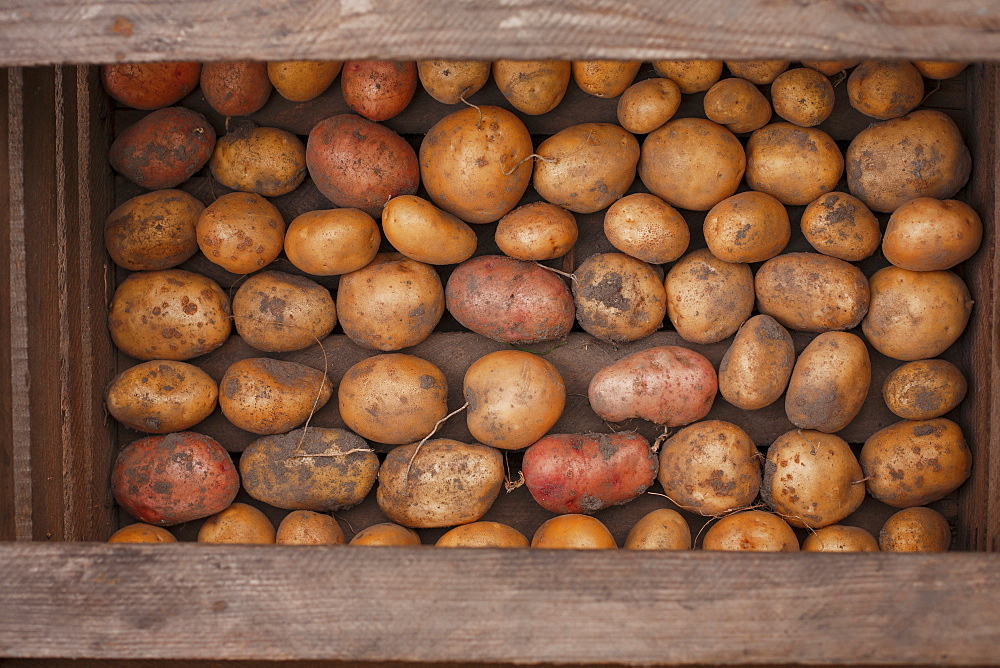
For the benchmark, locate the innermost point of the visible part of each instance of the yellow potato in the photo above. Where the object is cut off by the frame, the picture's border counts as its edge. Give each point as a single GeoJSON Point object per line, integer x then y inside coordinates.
{"type": "Point", "coordinates": [840, 225]}
{"type": "Point", "coordinates": [573, 532]}
{"type": "Point", "coordinates": [802, 96]}
{"type": "Point", "coordinates": [885, 89]}
{"type": "Point", "coordinates": [423, 232]}
{"type": "Point", "coordinates": [161, 396]}
{"type": "Point", "coordinates": [449, 81]}
{"type": "Point", "coordinates": [266, 161]}
{"type": "Point", "coordinates": [755, 370]}
{"type": "Point", "coordinates": [155, 230]}
{"type": "Point", "coordinates": [618, 298]}
{"type": "Point", "coordinates": [810, 292]}
{"type": "Point", "coordinates": [737, 104]}
{"type": "Point", "coordinates": [605, 78]}
{"type": "Point", "coordinates": [302, 80]}
{"type": "Point", "coordinates": [747, 227]}
{"type": "Point", "coordinates": [794, 164]}
{"type": "Point", "coordinates": [751, 531]}
{"type": "Point", "coordinates": [279, 312]}
{"type": "Point", "coordinates": [241, 232]}
{"type": "Point", "coordinates": [924, 389]}
{"type": "Point", "coordinates": [267, 396]}
{"type": "Point", "coordinates": [708, 298]}
{"type": "Point", "coordinates": [305, 527]}
{"type": "Point", "coordinates": [239, 524]}
{"type": "Point", "coordinates": [927, 234]}
{"type": "Point", "coordinates": [646, 105]}
{"type": "Point", "coordinates": [840, 538]}
{"type": "Point", "coordinates": [662, 529]}
{"type": "Point", "coordinates": [830, 67]}
{"type": "Point", "coordinates": [915, 530]}
{"type": "Point", "coordinates": [691, 76]}
{"type": "Point", "coordinates": [936, 69]}
{"type": "Point", "coordinates": [532, 86]}
{"type": "Point", "coordinates": [647, 228]}
{"type": "Point", "coordinates": [829, 383]}
{"type": "Point", "coordinates": [758, 72]}
{"type": "Point", "coordinates": [537, 231]}
{"type": "Point", "coordinates": [330, 242]}
{"type": "Point", "coordinates": [142, 533]}
{"type": "Point", "coordinates": [386, 534]}
{"type": "Point", "coordinates": [483, 534]}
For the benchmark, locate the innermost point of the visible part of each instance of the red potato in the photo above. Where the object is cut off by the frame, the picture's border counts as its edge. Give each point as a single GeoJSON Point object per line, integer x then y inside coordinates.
{"type": "Point", "coordinates": [164, 148]}
{"type": "Point", "coordinates": [573, 473]}
{"type": "Point", "coordinates": [236, 88]}
{"type": "Point", "coordinates": [150, 85]}
{"type": "Point", "coordinates": [378, 89]}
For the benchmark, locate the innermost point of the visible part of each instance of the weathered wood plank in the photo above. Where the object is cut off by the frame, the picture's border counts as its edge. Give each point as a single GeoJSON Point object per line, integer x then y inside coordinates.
{"type": "Point", "coordinates": [7, 196]}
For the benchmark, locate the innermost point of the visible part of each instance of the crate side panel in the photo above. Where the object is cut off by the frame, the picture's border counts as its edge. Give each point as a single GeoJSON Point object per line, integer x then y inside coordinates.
{"type": "Point", "coordinates": [7, 513]}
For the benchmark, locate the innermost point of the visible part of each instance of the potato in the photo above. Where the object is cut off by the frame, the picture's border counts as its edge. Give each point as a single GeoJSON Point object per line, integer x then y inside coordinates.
{"type": "Point", "coordinates": [142, 533]}
{"type": "Point", "coordinates": [267, 396]}
{"type": "Point", "coordinates": [758, 72]}
{"type": "Point", "coordinates": [443, 484]}
{"type": "Point", "coordinates": [915, 530]}
{"type": "Point", "coordinates": [691, 76]}
{"type": "Point", "coordinates": [618, 298]}
{"type": "Point", "coordinates": [241, 232]}
{"type": "Point", "coordinates": [330, 242]}
{"type": "Point", "coordinates": [667, 385]}
{"type": "Point", "coordinates": [451, 81]}
{"type": "Point", "coordinates": [707, 298]}
{"type": "Point", "coordinates": [171, 314]}
{"type": "Point", "coordinates": [393, 398]}
{"type": "Point", "coordinates": [885, 89]}
{"type": "Point", "coordinates": [692, 163]}
{"type": "Point", "coordinates": [829, 383]}
{"type": "Point", "coordinates": [605, 78]}
{"type": "Point", "coordinates": [710, 468]}
{"type": "Point", "coordinates": [747, 227]}
{"type": "Point", "coordinates": [238, 524]}
{"type": "Point", "coordinates": [266, 161]}
{"type": "Point", "coordinates": [796, 165]}
{"type": "Point", "coordinates": [830, 67]}
{"type": "Point", "coordinates": [646, 105]}
{"type": "Point", "coordinates": [423, 232]}
{"type": "Point", "coordinates": [537, 231]}
{"type": "Point", "coordinates": [647, 228]}
{"type": "Point", "coordinates": [175, 478]}
{"type": "Point", "coordinates": [514, 398]}
{"type": "Point", "coordinates": [586, 167]}
{"type": "Point", "coordinates": [483, 534]}
{"type": "Point", "coordinates": [475, 163]}
{"type": "Point", "coordinates": [573, 532]}
{"type": "Point", "coordinates": [278, 312]}
{"type": "Point", "coordinates": [915, 462]}
{"type": "Point", "coordinates": [302, 80]}
{"type": "Point", "coordinates": [393, 302]}
{"type": "Point", "coordinates": [309, 469]}
{"type": "Point", "coordinates": [802, 96]}
{"type": "Point", "coordinates": [386, 534]}
{"type": "Point", "coordinates": [810, 292]}
{"type": "Point", "coordinates": [584, 473]}
{"type": "Point", "coordinates": [812, 479]}
{"type": "Point", "coordinates": [153, 230]}
{"type": "Point", "coordinates": [840, 538]}
{"type": "Point", "coordinates": [924, 389]}
{"type": "Point", "coordinates": [163, 149]}
{"type": "Point", "coordinates": [150, 85]}
{"type": "Point", "coordinates": [936, 69]}
{"type": "Point", "coordinates": [927, 234]}
{"type": "Point", "coordinates": [919, 155]}
{"type": "Point", "coordinates": [236, 88]}
{"type": "Point", "coordinates": [915, 314]}
{"type": "Point", "coordinates": [305, 527]}
{"type": "Point", "coordinates": [161, 396]}
{"type": "Point", "coordinates": [359, 164]}
{"type": "Point", "coordinates": [737, 104]}
{"type": "Point", "coordinates": [840, 225]}
{"type": "Point", "coordinates": [662, 529]}
{"type": "Point", "coordinates": [755, 370]}
{"type": "Point", "coordinates": [751, 531]}
{"type": "Point", "coordinates": [508, 300]}
{"type": "Point", "coordinates": [532, 86]}
{"type": "Point", "coordinates": [378, 89]}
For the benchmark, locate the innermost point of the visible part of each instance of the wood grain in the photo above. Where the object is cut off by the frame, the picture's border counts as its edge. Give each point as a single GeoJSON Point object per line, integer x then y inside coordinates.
{"type": "Point", "coordinates": [9, 501]}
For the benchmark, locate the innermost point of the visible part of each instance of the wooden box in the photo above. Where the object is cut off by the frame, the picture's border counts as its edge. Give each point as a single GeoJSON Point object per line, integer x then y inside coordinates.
{"type": "Point", "coordinates": [66, 595]}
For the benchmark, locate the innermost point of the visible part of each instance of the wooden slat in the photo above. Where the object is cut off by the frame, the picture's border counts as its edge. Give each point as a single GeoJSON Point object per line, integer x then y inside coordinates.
{"type": "Point", "coordinates": [7, 196]}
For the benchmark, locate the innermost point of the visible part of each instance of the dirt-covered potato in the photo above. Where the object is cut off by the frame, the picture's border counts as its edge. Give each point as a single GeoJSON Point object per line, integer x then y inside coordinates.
{"type": "Point", "coordinates": [667, 385]}
{"type": "Point", "coordinates": [915, 462]}
{"type": "Point", "coordinates": [758, 72]}
{"type": "Point", "coordinates": [747, 227]}
{"type": "Point", "coordinates": [142, 533]}
{"type": "Point", "coordinates": [586, 167]}
{"type": "Point", "coordinates": [646, 105]}
{"type": "Point", "coordinates": [794, 164]}
{"type": "Point", "coordinates": [514, 398]}
{"type": "Point", "coordinates": [802, 96]}
{"type": "Point", "coordinates": [812, 479]}
{"type": "Point", "coordinates": [153, 231]}
{"type": "Point", "coordinates": [330, 242]}
{"type": "Point", "coordinates": [443, 484]}
{"type": "Point", "coordinates": [830, 67]}
{"type": "Point", "coordinates": [708, 298]}
{"type": "Point", "coordinates": [647, 228]}
{"type": "Point", "coordinates": [924, 389]}
{"type": "Point", "coordinates": [537, 231]}
{"type": "Point", "coordinates": [267, 396]}
{"type": "Point", "coordinates": [605, 78]}
{"type": "Point", "coordinates": [386, 534]}
{"type": "Point", "coordinates": [916, 529]}
{"type": "Point", "coordinates": [278, 312]}
{"type": "Point", "coordinates": [533, 86]}
{"type": "Point", "coordinates": [163, 149]}
{"type": "Point", "coordinates": [378, 89]}
{"type": "Point", "coordinates": [691, 76]}
{"type": "Point", "coordinates": [618, 298]}
{"type": "Point", "coordinates": [510, 300]}
{"type": "Point", "coordinates": [916, 314]}
{"type": "Point", "coordinates": [840, 225]}
{"type": "Point", "coordinates": [171, 314]}
{"type": "Point", "coordinates": [474, 163]}
{"type": "Point", "coordinates": [927, 234]}
{"type": "Point", "coordinates": [240, 524]}
{"type": "Point", "coordinates": [161, 396]}
{"type": "Point", "coordinates": [710, 468]}
{"type": "Point", "coordinates": [885, 89]}
{"type": "Point", "coordinates": [266, 161]}
{"type": "Point", "coordinates": [423, 232]}
{"type": "Point", "coordinates": [150, 85]}
{"type": "Point", "coordinates": [938, 69]}
{"type": "Point", "coordinates": [810, 292]}
{"type": "Point", "coordinates": [662, 529]}
{"type": "Point", "coordinates": [573, 532]}
{"type": "Point", "coordinates": [306, 527]}
{"type": "Point", "coordinates": [235, 88]}
{"type": "Point", "coordinates": [174, 478]}
{"type": "Point", "coordinates": [692, 163]}
{"type": "Point", "coordinates": [483, 534]}
{"type": "Point", "coordinates": [309, 469]}
{"type": "Point", "coordinates": [840, 538]}
{"type": "Point", "coordinates": [830, 382]}
{"type": "Point", "coordinates": [451, 81]}
{"type": "Point", "coordinates": [751, 531]}
{"type": "Point", "coordinates": [737, 104]}
{"type": "Point", "coordinates": [241, 232]}
{"type": "Point", "coordinates": [302, 80]}
{"type": "Point", "coordinates": [393, 398]}
{"type": "Point", "coordinates": [755, 370]}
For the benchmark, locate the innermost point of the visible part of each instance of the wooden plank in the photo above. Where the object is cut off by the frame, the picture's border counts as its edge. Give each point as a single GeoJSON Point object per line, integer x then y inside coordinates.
{"type": "Point", "coordinates": [51, 31]}
{"type": "Point", "coordinates": [7, 512]}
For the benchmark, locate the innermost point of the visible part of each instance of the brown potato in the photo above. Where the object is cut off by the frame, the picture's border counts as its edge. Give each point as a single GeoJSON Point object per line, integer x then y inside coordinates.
{"type": "Point", "coordinates": [423, 232]}
{"type": "Point", "coordinates": [142, 533]}
{"type": "Point", "coordinates": [707, 298]}
{"type": "Point", "coordinates": [279, 312]}
{"type": "Point", "coordinates": [443, 484]}
{"type": "Point", "coordinates": [164, 148]}
{"type": "Point", "coordinates": [755, 370]}
{"type": "Point", "coordinates": [161, 396]}
{"type": "Point", "coordinates": [927, 234]}
{"type": "Point", "coordinates": [751, 531]}
{"type": "Point", "coordinates": [924, 389]}
{"type": "Point", "coordinates": [605, 78]}
{"type": "Point", "coordinates": [241, 232]}
{"type": "Point", "coordinates": [302, 80]}
{"type": "Point", "coordinates": [532, 86]}
{"type": "Point", "coordinates": [235, 88]}
{"type": "Point", "coordinates": [646, 105]}
{"type": "Point", "coordinates": [802, 96]}
{"type": "Point", "coordinates": [737, 104]}
{"type": "Point", "coordinates": [647, 228]}
{"type": "Point", "coordinates": [840, 225]}
{"type": "Point", "coordinates": [936, 69]}
{"type": "Point", "coordinates": [393, 398]}
{"type": "Point", "coordinates": [514, 398]}
{"type": "Point", "coordinates": [810, 292]}
{"type": "Point", "coordinates": [149, 85]}
{"type": "Point", "coordinates": [829, 383]}
{"type": "Point", "coordinates": [796, 165]}
{"type": "Point", "coordinates": [378, 89]}
{"type": "Point", "coordinates": [449, 81]}
{"type": "Point", "coordinates": [885, 89]}
{"type": "Point", "coordinates": [573, 532]}
{"type": "Point", "coordinates": [691, 76]}
{"type": "Point", "coordinates": [267, 396]}
{"type": "Point", "coordinates": [831, 67]}
{"type": "Point", "coordinates": [586, 167]}
{"type": "Point", "coordinates": [238, 524]}
{"type": "Point", "coordinates": [483, 534]}
{"type": "Point", "coordinates": [171, 314]}
{"type": "Point", "coordinates": [840, 538]}
{"type": "Point", "coordinates": [747, 227]}
{"type": "Point", "coordinates": [305, 527]}
{"type": "Point", "coordinates": [330, 242]}
{"type": "Point", "coordinates": [917, 529]}
{"type": "Point", "coordinates": [692, 163]}
{"type": "Point", "coordinates": [266, 161]}
{"type": "Point", "coordinates": [153, 231]}
{"type": "Point", "coordinates": [758, 72]}
{"type": "Point", "coordinates": [662, 529]}
{"type": "Point", "coordinates": [309, 469]}
{"type": "Point", "coordinates": [537, 231]}
{"type": "Point", "coordinates": [618, 298]}
{"type": "Point", "coordinates": [386, 534]}
{"type": "Point", "coordinates": [916, 314]}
